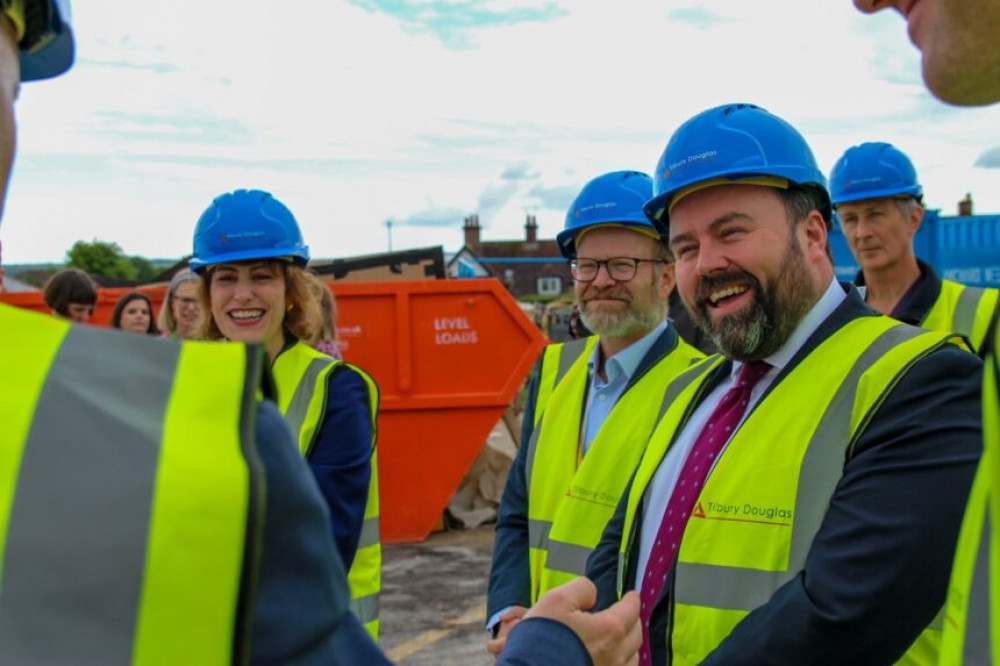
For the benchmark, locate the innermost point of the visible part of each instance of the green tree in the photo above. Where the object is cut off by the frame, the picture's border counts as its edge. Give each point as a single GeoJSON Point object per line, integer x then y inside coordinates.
{"type": "Point", "coordinates": [144, 268]}
{"type": "Point", "coordinates": [101, 258]}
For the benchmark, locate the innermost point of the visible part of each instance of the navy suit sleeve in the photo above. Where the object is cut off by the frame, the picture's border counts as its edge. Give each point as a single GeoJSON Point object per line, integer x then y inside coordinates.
{"type": "Point", "coordinates": [602, 565]}
{"type": "Point", "coordinates": [878, 569]}
{"type": "Point", "coordinates": [341, 458]}
{"type": "Point", "coordinates": [300, 613]}
{"type": "Point", "coordinates": [510, 577]}
{"type": "Point", "coordinates": [540, 642]}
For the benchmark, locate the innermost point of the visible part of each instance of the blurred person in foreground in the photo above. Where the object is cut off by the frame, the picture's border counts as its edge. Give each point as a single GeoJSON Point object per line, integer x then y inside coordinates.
{"type": "Point", "coordinates": [214, 548]}
{"type": "Point", "coordinates": [960, 55]}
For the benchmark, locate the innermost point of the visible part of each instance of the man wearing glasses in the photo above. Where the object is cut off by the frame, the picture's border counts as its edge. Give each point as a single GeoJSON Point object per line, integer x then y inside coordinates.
{"type": "Point", "coordinates": [592, 402]}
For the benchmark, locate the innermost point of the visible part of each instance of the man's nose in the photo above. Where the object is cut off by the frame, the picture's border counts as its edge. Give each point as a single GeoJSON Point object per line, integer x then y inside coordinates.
{"type": "Point", "coordinates": [603, 277]}
{"type": "Point", "coordinates": [711, 258]}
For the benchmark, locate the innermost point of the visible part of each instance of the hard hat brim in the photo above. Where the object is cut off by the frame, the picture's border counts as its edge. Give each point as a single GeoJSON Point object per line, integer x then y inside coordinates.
{"type": "Point", "coordinates": [891, 193]}
{"type": "Point", "coordinates": [300, 259]}
{"type": "Point", "coordinates": [58, 55]}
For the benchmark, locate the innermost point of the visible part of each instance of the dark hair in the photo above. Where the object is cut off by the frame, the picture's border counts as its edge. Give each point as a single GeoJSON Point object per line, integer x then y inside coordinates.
{"type": "Point", "coordinates": [800, 200]}
{"type": "Point", "coordinates": [116, 315]}
{"type": "Point", "coordinates": [663, 250]}
{"type": "Point", "coordinates": [69, 286]}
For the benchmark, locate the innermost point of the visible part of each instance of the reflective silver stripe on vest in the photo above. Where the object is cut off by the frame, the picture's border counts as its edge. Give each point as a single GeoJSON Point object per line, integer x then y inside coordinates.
{"type": "Point", "coordinates": [567, 557]}
{"type": "Point", "coordinates": [365, 608]}
{"type": "Point", "coordinates": [369, 532]}
{"type": "Point", "coordinates": [737, 588]}
{"type": "Point", "coordinates": [568, 353]}
{"type": "Point", "coordinates": [299, 405]}
{"type": "Point", "coordinates": [76, 542]}
{"type": "Point", "coordinates": [977, 648]}
{"type": "Point", "coordinates": [964, 318]}
{"type": "Point", "coordinates": [538, 533]}
{"type": "Point", "coordinates": [674, 389]}
{"type": "Point", "coordinates": [677, 386]}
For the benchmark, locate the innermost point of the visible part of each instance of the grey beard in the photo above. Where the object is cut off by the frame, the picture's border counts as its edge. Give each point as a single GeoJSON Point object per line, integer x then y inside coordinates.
{"type": "Point", "coordinates": [624, 324]}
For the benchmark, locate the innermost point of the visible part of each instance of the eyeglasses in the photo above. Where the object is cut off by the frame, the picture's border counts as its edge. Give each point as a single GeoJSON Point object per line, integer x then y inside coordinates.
{"type": "Point", "coordinates": [186, 301]}
{"type": "Point", "coordinates": [620, 269]}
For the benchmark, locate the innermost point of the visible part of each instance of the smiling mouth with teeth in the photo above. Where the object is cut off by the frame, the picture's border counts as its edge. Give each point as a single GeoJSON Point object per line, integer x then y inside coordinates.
{"type": "Point", "coordinates": [722, 294]}
{"type": "Point", "coordinates": [244, 315]}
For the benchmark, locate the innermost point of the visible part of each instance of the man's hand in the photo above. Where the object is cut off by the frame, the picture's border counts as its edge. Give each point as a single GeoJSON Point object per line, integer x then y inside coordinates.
{"type": "Point", "coordinates": [612, 637]}
{"type": "Point", "coordinates": [507, 621]}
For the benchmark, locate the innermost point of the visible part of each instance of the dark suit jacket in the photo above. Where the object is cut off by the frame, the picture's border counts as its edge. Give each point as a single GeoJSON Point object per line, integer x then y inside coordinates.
{"type": "Point", "coordinates": [877, 572]}
{"type": "Point", "coordinates": [510, 580]}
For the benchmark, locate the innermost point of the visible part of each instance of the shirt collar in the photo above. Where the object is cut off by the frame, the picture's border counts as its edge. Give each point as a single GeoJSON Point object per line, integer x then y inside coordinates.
{"type": "Point", "coordinates": [822, 309]}
{"type": "Point", "coordinates": [626, 362]}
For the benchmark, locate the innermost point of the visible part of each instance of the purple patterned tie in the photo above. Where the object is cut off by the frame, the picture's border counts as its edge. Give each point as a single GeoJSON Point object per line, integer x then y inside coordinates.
{"type": "Point", "coordinates": [717, 431]}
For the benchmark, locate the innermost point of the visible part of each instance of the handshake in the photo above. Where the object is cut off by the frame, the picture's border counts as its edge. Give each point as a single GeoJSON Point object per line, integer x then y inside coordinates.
{"type": "Point", "coordinates": [612, 637]}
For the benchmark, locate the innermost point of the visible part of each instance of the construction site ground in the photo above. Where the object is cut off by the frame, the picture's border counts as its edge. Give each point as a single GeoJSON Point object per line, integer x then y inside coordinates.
{"type": "Point", "coordinates": [434, 599]}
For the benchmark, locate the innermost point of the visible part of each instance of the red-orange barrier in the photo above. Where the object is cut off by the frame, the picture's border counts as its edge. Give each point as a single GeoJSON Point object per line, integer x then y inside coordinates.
{"type": "Point", "coordinates": [448, 356]}
{"type": "Point", "coordinates": [106, 299]}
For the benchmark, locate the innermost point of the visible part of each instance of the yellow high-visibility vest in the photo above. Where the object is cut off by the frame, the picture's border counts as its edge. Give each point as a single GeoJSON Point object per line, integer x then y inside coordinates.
{"type": "Point", "coordinates": [569, 500]}
{"type": "Point", "coordinates": [972, 613]}
{"type": "Point", "coordinates": [301, 373]}
{"type": "Point", "coordinates": [123, 537]}
{"type": "Point", "coordinates": [749, 532]}
{"type": "Point", "coordinates": [963, 310]}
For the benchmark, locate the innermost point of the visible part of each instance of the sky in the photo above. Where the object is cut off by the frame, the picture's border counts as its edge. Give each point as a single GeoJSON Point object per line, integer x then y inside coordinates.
{"type": "Point", "coordinates": [355, 112]}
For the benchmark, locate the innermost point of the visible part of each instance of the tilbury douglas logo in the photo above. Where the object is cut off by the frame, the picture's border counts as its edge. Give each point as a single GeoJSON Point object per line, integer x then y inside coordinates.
{"type": "Point", "coordinates": [745, 512]}
{"type": "Point", "coordinates": [674, 167]}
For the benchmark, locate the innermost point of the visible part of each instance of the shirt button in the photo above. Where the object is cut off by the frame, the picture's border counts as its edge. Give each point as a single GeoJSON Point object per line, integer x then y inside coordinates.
{"type": "Point", "coordinates": [601, 397]}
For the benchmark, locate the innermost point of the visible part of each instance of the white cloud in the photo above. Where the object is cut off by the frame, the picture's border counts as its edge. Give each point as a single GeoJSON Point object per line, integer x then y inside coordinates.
{"type": "Point", "coordinates": [352, 118]}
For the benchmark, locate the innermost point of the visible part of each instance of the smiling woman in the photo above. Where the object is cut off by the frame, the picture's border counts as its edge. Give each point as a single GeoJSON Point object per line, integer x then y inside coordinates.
{"type": "Point", "coordinates": [250, 255]}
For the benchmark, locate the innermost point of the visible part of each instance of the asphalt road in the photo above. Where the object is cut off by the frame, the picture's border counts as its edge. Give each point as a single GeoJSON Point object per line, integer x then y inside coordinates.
{"type": "Point", "coordinates": [433, 608]}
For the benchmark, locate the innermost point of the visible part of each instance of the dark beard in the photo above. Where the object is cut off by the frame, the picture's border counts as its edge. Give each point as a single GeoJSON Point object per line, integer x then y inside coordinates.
{"type": "Point", "coordinates": [762, 329]}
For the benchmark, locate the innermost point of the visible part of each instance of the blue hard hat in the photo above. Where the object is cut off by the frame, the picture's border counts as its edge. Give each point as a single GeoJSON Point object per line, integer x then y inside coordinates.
{"type": "Point", "coordinates": [872, 171]}
{"type": "Point", "coordinates": [735, 142]}
{"type": "Point", "coordinates": [614, 198]}
{"type": "Point", "coordinates": [47, 46]}
{"type": "Point", "coordinates": [245, 225]}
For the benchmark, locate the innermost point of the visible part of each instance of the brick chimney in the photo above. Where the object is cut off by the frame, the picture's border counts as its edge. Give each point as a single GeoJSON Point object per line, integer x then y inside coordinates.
{"type": "Point", "coordinates": [531, 230]}
{"type": "Point", "coordinates": [965, 206]}
{"type": "Point", "coordinates": [471, 228]}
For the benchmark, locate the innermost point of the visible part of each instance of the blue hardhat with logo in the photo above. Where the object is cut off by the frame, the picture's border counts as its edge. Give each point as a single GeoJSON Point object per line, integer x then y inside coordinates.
{"type": "Point", "coordinates": [734, 143]}
{"type": "Point", "coordinates": [872, 171]}
{"type": "Point", "coordinates": [246, 225]}
{"type": "Point", "coordinates": [614, 199]}
{"type": "Point", "coordinates": [44, 36]}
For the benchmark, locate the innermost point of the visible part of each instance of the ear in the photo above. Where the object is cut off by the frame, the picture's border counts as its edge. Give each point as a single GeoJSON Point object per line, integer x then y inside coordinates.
{"type": "Point", "coordinates": [667, 280]}
{"type": "Point", "coordinates": [916, 218]}
{"type": "Point", "coordinates": [813, 236]}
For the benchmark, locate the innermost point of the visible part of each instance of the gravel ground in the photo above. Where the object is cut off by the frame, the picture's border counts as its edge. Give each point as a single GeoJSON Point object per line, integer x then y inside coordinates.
{"type": "Point", "coordinates": [434, 599]}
